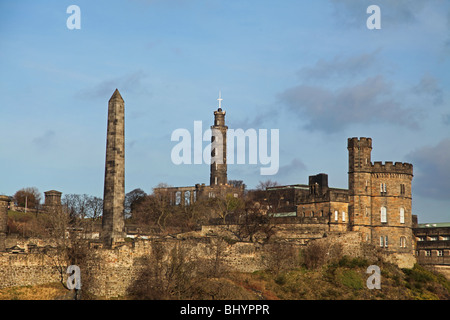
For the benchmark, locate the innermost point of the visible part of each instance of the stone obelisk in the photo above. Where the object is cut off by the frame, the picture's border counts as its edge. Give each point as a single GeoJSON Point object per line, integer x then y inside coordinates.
{"type": "Point", "coordinates": [114, 188]}
{"type": "Point", "coordinates": [4, 201]}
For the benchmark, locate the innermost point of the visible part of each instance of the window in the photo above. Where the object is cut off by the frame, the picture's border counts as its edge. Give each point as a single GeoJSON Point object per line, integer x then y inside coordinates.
{"type": "Point", "coordinates": [343, 216]}
{"type": "Point", "coordinates": [427, 253]}
{"type": "Point", "coordinates": [402, 215]}
{"type": "Point", "coordinates": [383, 188]}
{"type": "Point", "coordinates": [402, 242]}
{"type": "Point", "coordinates": [187, 198]}
{"type": "Point", "coordinates": [383, 215]}
{"type": "Point", "coordinates": [336, 215]}
{"type": "Point", "coordinates": [383, 241]}
{"type": "Point", "coordinates": [402, 189]}
{"type": "Point", "coordinates": [440, 253]}
{"type": "Point", "coordinates": [367, 211]}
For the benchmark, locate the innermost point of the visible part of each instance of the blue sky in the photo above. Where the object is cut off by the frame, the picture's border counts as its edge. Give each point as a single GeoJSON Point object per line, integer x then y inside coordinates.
{"type": "Point", "coordinates": [311, 69]}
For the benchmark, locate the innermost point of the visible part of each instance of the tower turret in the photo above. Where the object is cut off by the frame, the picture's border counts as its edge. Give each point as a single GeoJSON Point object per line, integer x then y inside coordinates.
{"type": "Point", "coordinates": [380, 201]}
{"type": "Point", "coordinates": [359, 183]}
{"type": "Point", "coordinates": [218, 175]}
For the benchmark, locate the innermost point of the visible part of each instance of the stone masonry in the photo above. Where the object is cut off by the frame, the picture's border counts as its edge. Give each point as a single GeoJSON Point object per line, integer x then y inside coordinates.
{"type": "Point", "coordinates": [4, 200]}
{"type": "Point", "coordinates": [219, 137]}
{"type": "Point", "coordinates": [114, 187]}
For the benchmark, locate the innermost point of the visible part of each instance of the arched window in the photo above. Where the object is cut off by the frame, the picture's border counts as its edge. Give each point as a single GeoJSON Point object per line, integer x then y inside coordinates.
{"type": "Point", "coordinates": [402, 215]}
{"type": "Point", "coordinates": [383, 215]}
{"type": "Point", "coordinates": [187, 198]}
{"type": "Point", "coordinates": [178, 198]}
{"type": "Point", "coordinates": [402, 242]}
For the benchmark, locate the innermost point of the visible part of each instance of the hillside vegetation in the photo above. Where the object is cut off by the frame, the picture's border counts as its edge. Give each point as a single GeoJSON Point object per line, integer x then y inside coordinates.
{"type": "Point", "coordinates": [311, 273]}
{"type": "Point", "coordinates": [341, 280]}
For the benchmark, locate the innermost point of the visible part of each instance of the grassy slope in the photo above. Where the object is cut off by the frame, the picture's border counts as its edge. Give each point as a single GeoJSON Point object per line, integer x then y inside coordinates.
{"type": "Point", "coordinates": [343, 280]}
{"type": "Point", "coordinates": [347, 278]}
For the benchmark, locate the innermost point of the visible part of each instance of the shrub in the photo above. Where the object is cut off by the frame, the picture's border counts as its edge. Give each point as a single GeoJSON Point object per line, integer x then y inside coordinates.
{"type": "Point", "coordinates": [314, 255]}
{"type": "Point", "coordinates": [351, 279]}
{"type": "Point", "coordinates": [348, 262]}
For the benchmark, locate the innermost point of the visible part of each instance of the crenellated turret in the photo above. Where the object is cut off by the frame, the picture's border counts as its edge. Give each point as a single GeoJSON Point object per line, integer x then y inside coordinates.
{"type": "Point", "coordinates": [390, 167]}
{"type": "Point", "coordinates": [380, 199]}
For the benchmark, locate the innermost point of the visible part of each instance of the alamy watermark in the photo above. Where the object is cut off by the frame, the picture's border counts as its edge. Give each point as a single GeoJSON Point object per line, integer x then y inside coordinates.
{"type": "Point", "coordinates": [374, 280]}
{"type": "Point", "coordinates": [74, 279]}
{"type": "Point", "coordinates": [189, 149]}
{"type": "Point", "coordinates": [374, 21]}
{"type": "Point", "coordinates": [74, 20]}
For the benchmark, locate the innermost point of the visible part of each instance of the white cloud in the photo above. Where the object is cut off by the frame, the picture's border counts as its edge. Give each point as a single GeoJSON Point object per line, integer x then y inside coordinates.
{"type": "Point", "coordinates": [330, 110]}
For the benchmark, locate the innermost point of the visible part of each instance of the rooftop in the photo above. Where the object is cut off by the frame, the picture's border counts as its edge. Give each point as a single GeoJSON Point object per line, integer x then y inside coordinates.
{"type": "Point", "coordinates": [434, 225]}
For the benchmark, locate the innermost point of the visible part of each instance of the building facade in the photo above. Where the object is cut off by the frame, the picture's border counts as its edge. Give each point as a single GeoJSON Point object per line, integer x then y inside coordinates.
{"type": "Point", "coordinates": [433, 243]}
{"type": "Point", "coordinates": [377, 203]}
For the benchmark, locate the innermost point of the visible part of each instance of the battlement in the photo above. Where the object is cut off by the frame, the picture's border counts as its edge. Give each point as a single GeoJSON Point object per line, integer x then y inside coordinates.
{"type": "Point", "coordinates": [390, 167]}
{"type": "Point", "coordinates": [361, 142]}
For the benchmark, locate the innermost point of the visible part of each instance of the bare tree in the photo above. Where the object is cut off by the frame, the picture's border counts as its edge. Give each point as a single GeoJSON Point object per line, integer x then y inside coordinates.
{"type": "Point", "coordinates": [94, 208]}
{"type": "Point", "coordinates": [132, 198]}
{"type": "Point", "coordinates": [28, 198]}
{"type": "Point", "coordinates": [263, 185]}
{"type": "Point", "coordinates": [278, 257]}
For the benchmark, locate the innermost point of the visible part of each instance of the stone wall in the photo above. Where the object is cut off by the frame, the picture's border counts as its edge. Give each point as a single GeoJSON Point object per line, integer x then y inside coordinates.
{"type": "Point", "coordinates": [26, 269]}
{"type": "Point", "coordinates": [109, 273]}
{"type": "Point", "coordinates": [443, 269]}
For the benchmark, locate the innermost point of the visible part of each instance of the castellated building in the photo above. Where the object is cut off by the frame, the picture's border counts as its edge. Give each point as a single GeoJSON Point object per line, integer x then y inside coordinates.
{"type": "Point", "coordinates": [375, 212]}
{"type": "Point", "coordinates": [377, 203]}
{"type": "Point", "coordinates": [380, 199]}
